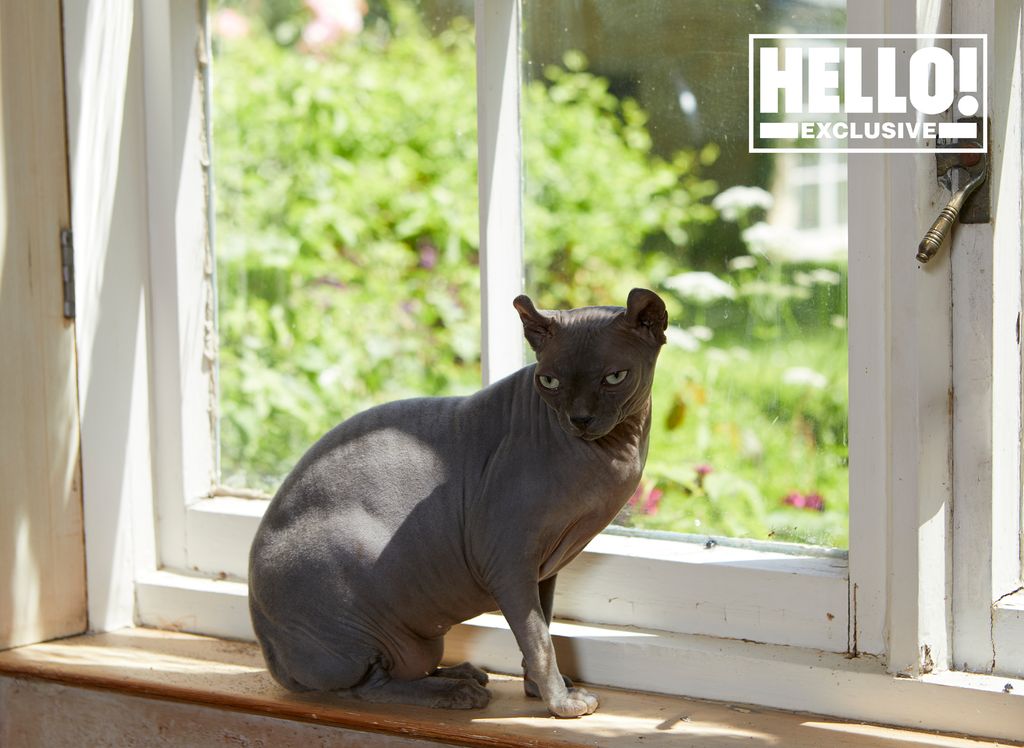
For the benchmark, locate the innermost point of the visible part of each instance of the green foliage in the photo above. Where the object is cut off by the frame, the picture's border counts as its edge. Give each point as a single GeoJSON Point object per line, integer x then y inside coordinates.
{"type": "Point", "coordinates": [347, 235]}
{"type": "Point", "coordinates": [597, 200]}
{"type": "Point", "coordinates": [763, 435]}
{"type": "Point", "coordinates": [347, 222]}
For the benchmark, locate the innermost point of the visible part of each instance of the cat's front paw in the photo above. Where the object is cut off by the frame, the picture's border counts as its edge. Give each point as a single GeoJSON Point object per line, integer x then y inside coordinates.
{"type": "Point", "coordinates": [576, 703]}
{"type": "Point", "coordinates": [533, 691]}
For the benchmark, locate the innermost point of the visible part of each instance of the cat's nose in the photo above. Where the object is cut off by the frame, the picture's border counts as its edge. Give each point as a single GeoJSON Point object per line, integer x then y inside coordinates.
{"type": "Point", "coordinates": [580, 422]}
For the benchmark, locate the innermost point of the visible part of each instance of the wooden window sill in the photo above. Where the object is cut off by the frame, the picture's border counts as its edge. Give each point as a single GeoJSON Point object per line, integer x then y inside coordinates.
{"type": "Point", "coordinates": [230, 675]}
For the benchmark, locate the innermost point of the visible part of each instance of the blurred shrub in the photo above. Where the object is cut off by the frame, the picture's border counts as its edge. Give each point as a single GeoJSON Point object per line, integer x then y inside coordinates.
{"type": "Point", "coordinates": [347, 240]}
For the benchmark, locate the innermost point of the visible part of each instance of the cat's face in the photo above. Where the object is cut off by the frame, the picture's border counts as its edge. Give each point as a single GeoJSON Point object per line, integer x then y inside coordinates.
{"type": "Point", "coordinates": [595, 365]}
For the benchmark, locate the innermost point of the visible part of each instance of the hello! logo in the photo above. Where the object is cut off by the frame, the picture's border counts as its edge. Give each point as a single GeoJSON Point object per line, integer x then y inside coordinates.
{"type": "Point", "coordinates": [868, 93]}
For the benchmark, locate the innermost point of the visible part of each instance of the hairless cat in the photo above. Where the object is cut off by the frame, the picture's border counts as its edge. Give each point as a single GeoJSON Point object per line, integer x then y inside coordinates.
{"type": "Point", "coordinates": [416, 515]}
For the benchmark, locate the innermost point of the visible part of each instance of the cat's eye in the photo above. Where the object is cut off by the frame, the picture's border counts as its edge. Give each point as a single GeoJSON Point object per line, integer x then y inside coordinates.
{"type": "Point", "coordinates": [549, 383]}
{"type": "Point", "coordinates": [616, 377]}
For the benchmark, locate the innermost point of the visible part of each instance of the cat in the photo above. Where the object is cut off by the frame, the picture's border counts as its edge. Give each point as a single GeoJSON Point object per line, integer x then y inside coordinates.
{"type": "Point", "coordinates": [416, 515]}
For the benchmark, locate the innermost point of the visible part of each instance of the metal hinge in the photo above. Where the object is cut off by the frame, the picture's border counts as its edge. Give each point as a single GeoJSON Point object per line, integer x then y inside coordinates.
{"type": "Point", "coordinates": [67, 268]}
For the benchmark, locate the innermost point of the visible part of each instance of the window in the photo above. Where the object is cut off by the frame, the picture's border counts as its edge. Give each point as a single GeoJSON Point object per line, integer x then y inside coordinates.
{"type": "Point", "coordinates": [749, 433]}
{"type": "Point", "coordinates": [346, 220]}
{"type": "Point", "coordinates": [303, 213]}
{"type": "Point", "coordinates": [911, 547]}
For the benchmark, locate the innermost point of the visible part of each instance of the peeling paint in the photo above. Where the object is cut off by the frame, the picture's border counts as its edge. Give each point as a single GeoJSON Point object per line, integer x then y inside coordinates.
{"type": "Point", "coordinates": [927, 663]}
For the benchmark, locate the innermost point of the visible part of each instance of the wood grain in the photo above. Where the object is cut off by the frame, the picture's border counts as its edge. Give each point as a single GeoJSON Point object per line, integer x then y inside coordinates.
{"type": "Point", "coordinates": [42, 568]}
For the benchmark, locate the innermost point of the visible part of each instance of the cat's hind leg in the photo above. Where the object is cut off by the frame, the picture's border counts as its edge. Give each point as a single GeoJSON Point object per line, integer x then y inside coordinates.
{"type": "Point", "coordinates": [435, 690]}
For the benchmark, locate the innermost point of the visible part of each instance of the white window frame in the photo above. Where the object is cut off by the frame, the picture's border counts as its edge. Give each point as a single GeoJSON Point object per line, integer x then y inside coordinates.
{"type": "Point", "coordinates": [988, 594]}
{"type": "Point", "coordinates": [157, 539]}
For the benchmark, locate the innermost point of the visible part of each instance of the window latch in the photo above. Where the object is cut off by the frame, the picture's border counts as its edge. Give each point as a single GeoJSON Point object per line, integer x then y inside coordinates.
{"type": "Point", "coordinates": [962, 174]}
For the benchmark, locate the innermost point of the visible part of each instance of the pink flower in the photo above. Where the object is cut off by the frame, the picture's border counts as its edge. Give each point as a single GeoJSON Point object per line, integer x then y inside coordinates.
{"type": "Point", "coordinates": [333, 20]}
{"type": "Point", "coordinates": [652, 500]}
{"type": "Point", "coordinates": [811, 501]}
{"type": "Point", "coordinates": [230, 24]}
{"type": "Point", "coordinates": [702, 472]}
{"type": "Point", "coordinates": [647, 496]}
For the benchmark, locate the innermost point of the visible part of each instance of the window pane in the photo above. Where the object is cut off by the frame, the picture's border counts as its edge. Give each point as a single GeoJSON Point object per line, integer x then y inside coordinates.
{"type": "Point", "coordinates": [346, 217]}
{"type": "Point", "coordinates": [638, 174]}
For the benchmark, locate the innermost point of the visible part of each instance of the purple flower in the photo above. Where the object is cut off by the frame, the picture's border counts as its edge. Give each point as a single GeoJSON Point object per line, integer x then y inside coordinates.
{"type": "Point", "coordinates": [428, 256]}
{"type": "Point", "coordinates": [812, 501]}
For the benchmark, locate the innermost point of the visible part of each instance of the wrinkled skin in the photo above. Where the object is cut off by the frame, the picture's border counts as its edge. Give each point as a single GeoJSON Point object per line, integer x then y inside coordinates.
{"type": "Point", "coordinates": [416, 515]}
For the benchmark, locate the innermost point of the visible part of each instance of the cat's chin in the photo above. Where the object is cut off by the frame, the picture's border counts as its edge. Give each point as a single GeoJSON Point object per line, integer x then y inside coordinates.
{"type": "Point", "coordinates": [588, 436]}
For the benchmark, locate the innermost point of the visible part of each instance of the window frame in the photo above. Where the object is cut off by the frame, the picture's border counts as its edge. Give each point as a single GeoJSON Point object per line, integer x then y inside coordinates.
{"type": "Point", "coordinates": [987, 589]}
{"type": "Point", "coordinates": [134, 87]}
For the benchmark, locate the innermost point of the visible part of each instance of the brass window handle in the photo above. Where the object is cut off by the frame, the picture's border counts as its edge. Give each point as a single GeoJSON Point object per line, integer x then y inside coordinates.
{"type": "Point", "coordinates": [940, 229]}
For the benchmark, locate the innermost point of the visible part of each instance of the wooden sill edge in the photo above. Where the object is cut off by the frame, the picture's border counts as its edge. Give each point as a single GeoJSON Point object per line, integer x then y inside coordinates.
{"type": "Point", "coordinates": [352, 719]}
{"type": "Point", "coordinates": [363, 717]}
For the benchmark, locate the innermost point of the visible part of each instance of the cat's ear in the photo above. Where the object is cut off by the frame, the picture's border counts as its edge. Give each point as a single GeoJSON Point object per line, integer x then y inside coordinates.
{"type": "Point", "coordinates": [645, 313]}
{"type": "Point", "coordinates": [537, 326]}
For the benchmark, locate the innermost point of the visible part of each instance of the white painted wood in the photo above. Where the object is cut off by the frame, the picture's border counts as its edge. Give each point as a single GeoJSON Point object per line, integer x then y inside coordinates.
{"type": "Point", "coordinates": [789, 678]}
{"type": "Point", "coordinates": [986, 365]}
{"type": "Point", "coordinates": [782, 598]}
{"type": "Point", "coordinates": [721, 591]}
{"type": "Point", "coordinates": [920, 383]}
{"type": "Point", "coordinates": [1008, 635]}
{"type": "Point", "coordinates": [181, 267]}
{"type": "Point", "coordinates": [870, 399]}
{"type": "Point", "coordinates": [219, 535]}
{"type": "Point", "coordinates": [169, 600]}
{"type": "Point", "coordinates": [103, 79]}
{"type": "Point", "coordinates": [42, 555]}
{"type": "Point", "coordinates": [499, 166]}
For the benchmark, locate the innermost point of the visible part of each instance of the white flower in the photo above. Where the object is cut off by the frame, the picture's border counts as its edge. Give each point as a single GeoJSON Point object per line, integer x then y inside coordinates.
{"type": "Point", "coordinates": [765, 239]}
{"type": "Point", "coordinates": [702, 333]}
{"type": "Point", "coordinates": [801, 375]}
{"type": "Point", "coordinates": [743, 262]}
{"type": "Point", "coordinates": [701, 287]}
{"type": "Point", "coordinates": [821, 276]}
{"type": "Point", "coordinates": [738, 201]}
{"type": "Point", "coordinates": [825, 276]}
{"type": "Point", "coordinates": [681, 338]}
{"type": "Point", "coordinates": [750, 446]}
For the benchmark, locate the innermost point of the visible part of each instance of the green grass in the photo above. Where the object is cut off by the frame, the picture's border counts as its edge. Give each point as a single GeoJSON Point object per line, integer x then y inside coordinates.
{"type": "Point", "coordinates": [730, 409]}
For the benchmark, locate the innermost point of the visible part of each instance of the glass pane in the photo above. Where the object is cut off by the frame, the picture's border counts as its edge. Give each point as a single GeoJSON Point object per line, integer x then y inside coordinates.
{"type": "Point", "coordinates": [638, 174]}
{"type": "Point", "coordinates": [346, 218]}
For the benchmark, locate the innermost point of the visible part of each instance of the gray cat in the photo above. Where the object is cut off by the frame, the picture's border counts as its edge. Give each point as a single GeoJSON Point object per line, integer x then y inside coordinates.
{"type": "Point", "coordinates": [416, 515]}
